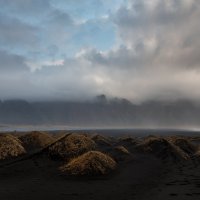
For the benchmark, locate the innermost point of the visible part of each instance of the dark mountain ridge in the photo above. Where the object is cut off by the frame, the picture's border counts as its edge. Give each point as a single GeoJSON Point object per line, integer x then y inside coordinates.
{"type": "Point", "coordinates": [101, 112]}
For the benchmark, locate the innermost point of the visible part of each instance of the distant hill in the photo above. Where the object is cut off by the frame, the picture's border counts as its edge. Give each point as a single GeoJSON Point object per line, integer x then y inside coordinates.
{"type": "Point", "coordinates": [100, 112]}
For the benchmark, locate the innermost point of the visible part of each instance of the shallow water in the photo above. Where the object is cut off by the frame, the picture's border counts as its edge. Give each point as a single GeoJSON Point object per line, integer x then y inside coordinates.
{"type": "Point", "coordinates": [24, 128]}
{"type": "Point", "coordinates": [107, 131]}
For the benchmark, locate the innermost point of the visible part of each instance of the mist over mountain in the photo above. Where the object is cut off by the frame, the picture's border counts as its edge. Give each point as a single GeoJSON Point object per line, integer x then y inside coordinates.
{"type": "Point", "coordinates": [101, 112]}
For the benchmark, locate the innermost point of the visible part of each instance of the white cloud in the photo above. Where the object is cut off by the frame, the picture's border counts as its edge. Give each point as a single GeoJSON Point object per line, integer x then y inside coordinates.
{"type": "Point", "coordinates": [156, 55]}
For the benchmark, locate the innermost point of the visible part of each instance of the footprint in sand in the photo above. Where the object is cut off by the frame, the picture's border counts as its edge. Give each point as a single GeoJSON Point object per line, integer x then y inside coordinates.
{"type": "Point", "coordinates": [170, 184]}
{"type": "Point", "coordinates": [197, 185]}
{"type": "Point", "coordinates": [188, 194]}
{"type": "Point", "coordinates": [173, 194]}
{"type": "Point", "coordinates": [196, 193]}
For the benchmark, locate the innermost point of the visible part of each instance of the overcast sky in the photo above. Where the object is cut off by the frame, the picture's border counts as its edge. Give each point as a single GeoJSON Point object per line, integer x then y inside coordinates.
{"type": "Point", "coordinates": [74, 49]}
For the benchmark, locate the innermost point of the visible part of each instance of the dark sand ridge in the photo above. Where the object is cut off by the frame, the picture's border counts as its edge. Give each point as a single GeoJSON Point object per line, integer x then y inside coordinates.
{"type": "Point", "coordinates": [163, 148]}
{"type": "Point", "coordinates": [36, 140]}
{"type": "Point", "coordinates": [120, 153]}
{"type": "Point", "coordinates": [101, 140]}
{"type": "Point", "coordinates": [35, 177]}
{"type": "Point", "coordinates": [116, 147]}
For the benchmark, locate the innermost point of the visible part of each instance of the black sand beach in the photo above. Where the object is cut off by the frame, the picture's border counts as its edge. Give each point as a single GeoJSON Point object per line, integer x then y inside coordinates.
{"type": "Point", "coordinates": [155, 174]}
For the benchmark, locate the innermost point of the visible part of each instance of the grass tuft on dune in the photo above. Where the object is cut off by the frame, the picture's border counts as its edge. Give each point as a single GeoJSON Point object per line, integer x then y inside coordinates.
{"type": "Point", "coordinates": [92, 163]}
{"type": "Point", "coordinates": [10, 147]}
{"type": "Point", "coordinates": [163, 148]}
{"type": "Point", "coordinates": [71, 146]}
{"type": "Point", "coordinates": [184, 144]}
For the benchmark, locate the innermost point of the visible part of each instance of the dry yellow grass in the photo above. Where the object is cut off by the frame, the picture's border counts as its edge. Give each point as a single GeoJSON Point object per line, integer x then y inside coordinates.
{"type": "Point", "coordinates": [36, 140]}
{"type": "Point", "coordinates": [10, 147]}
{"type": "Point", "coordinates": [71, 146]}
{"type": "Point", "coordinates": [92, 163]}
